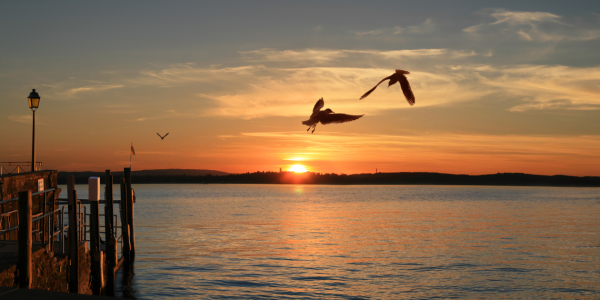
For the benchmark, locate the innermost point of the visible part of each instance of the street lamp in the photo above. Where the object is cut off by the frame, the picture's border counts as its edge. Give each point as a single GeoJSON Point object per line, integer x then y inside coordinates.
{"type": "Point", "coordinates": [34, 102]}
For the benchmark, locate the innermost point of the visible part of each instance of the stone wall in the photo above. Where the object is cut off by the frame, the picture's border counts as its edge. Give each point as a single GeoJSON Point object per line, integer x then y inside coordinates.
{"type": "Point", "coordinates": [12, 184]}
{"type": "Point", "coordinates": [51, 272]}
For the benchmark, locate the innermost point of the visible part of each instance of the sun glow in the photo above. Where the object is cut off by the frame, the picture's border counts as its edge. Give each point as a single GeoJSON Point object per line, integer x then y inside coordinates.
{"type": "Point", "coordinates": [298, 168]}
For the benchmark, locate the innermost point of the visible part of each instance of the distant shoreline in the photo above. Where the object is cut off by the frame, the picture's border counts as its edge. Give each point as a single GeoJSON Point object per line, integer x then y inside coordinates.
{"type": "Point", "coordinates": [399, 178]}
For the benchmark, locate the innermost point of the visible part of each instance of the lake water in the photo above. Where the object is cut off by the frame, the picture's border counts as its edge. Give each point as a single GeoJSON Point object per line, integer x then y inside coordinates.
{"type": "Point", "coordinates": [365, 242]}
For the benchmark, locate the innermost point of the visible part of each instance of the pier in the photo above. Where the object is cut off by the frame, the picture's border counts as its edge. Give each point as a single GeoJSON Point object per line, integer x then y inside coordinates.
{"type": "Point", "coordinates": [64, 244]}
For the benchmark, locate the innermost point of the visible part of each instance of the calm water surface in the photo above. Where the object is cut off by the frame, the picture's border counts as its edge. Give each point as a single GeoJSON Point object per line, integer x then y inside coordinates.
{"type": "Point", "coordinates": [366, 242]}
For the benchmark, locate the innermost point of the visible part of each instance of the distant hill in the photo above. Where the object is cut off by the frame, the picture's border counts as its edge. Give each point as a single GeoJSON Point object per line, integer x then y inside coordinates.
{"type": "Point", "coordinates": [400, 178]}
{"type": "Point", "coordinates": [81, 177]}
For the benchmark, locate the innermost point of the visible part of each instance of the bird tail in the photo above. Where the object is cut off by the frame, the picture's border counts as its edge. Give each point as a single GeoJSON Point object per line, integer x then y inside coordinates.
{"type": "Point", "coordinates": [305, 123]}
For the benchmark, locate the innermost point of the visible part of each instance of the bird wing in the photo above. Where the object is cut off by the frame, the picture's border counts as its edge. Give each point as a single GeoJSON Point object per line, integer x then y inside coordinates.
{"type": "Point", "coordinates": [410, 97]}
{"type": "Point", "coordinates": [159, 135]}
{"type": "Point", "coordinates": [338, 118]}
{"type": "Point", "coordinates": [166, 134]}
{"type": "Point", "coordinates": [319, 105]}
{"type": "Point", "coordinates": [371, 90]}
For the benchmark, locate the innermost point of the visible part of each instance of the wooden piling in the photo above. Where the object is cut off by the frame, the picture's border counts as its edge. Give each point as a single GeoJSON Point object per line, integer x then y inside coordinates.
{"type": "Point", "coordinates": [73, 236]}
{"type": "Point", "coordinates": [25, 240]}
{"type": "Point", "coordinates": [95, 255]}
{"type": "Point", "coordinates": [127, 174]}
{"type": "Point", "coordinates": [111, 242]}
{"type": "Point", "coordinates": [124, 222]}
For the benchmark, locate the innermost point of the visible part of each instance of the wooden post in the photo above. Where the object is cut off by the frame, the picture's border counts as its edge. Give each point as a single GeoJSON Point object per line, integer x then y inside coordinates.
{"type": "Point", "coordinates": [73, 236]}
{"type": "Point", "coordinates": [25, 240]}
{"type": "Point", "coordinates": [127, 174]}
{"type": "Point", "coordinates": [96, 257]}
{"type": "Point", "coordinates": [111, 242]}
{"type": "Point", "coordinates": [124, 223]}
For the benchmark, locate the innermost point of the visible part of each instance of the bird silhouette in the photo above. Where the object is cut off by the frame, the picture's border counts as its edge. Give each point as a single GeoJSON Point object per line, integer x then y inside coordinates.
{"type": "Point", "coordinates": [397, 77]}
{"type": "Point", "coordinates": [326, 116]}
{"type": "Point", "coordinates": [162, 137]}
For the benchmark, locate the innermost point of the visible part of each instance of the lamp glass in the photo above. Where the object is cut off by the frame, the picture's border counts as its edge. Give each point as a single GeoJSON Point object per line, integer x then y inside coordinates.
{"type": "Point", "coordinates": [34, 102]}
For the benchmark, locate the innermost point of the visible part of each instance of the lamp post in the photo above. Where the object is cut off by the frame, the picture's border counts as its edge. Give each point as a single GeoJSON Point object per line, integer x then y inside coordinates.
{"type": "Point", "coordinates": [34, 102]}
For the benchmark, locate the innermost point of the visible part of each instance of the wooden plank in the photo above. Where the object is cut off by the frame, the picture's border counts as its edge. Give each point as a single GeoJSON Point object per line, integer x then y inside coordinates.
{"type": "Point", "coordinates": [25, 240]}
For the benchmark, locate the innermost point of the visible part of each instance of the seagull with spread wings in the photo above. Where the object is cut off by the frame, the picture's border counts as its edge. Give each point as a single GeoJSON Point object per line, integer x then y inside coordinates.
{"type": "Point", "coordinates": [326, 117]}
{"type": "Point", "coordinates": [397, 77]}
{"type": "Point", "coordinates": [161, 136]}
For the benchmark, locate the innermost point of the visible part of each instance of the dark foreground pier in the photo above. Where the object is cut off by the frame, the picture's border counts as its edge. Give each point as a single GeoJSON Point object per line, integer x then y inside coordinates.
{"type": "Point", "coordinates": [8, 293]}
{"type": "Point", "coordinates": [41, 250]}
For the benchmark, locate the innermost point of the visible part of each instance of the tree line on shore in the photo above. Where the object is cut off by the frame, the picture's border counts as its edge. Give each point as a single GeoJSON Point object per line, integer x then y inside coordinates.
{"type": "Point", "coordinates": [399, 178]}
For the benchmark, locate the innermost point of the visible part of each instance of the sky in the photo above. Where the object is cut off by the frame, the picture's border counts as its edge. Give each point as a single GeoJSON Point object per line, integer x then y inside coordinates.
{"type": "Point", "coordinates": [500, 86]}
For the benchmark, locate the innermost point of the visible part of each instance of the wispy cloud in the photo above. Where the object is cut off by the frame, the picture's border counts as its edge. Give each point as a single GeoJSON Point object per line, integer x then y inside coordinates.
{"type": "Point", "coordinates": [91, 88]}
{"type": "Point", "coordinates": [425, 27]}
{"type": "Point", "coordinates": [315, 55]}
{"type": "Point", "coordinates": [26, 119]}
{"type": "Point", "coordinates": [532, 26]}
{"type": "Point", "coordinates": [21, 119]}
{"type": "Point", "coordinates": [328, 55]}
{"type": "Point", "coordinates": [548, 87]}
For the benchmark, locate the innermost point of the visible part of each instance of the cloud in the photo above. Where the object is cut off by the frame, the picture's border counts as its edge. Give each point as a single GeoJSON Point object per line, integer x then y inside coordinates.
{"type": "Point", "coordinates": [548, 87]}
{"type": "Point", "coordinates": [372, 32]}
{"type": "Point", "coordinates": [256, 91]}
{"type": "Point", "coordinates": [293, 91]}
{"type": "Point", "coordinates": [287, 83]}
{"type": "Point", "coordinates": [327, 56]}
{"type": "Point", "coordinates": [25, 119]}
{"type": "Point", "coordinates": [21, 119]}
{"type": "Point", "coordinates": [521, 17]}
{"type": "Point", "coordinates": [425, 27]}
{"type": "Point", "coordinates": [314, 55]}
{"type": "Point", "coordinates": [91, 88]}
{"type": "Point", "coordinates": [532, 26]}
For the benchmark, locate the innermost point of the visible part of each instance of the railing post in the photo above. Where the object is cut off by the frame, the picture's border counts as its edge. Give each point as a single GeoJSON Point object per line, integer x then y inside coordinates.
{"type": "Point", "coordinates": [73, 236]}
{"type": "Point", "coordinates": [96, 255]}
{"type": "Point", "coordinates": [124, 223]}
{"type": "Point", "coordinates": [111, 242]}
{"type": "Point", "coordinates": [25, 240]}
{"type": "Point", "coordinates": [43, 221]}
{"type": "Point", "coordinates": [62, 231]}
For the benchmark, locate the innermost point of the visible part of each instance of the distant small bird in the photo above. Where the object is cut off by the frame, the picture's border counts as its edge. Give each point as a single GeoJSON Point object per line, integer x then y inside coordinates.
{"type": "Point", "coordinates": [397, 77]}
{"type": "Point", "coordinates": [162, 137]}
{"type": "Point", "coordinates": [326, 116]}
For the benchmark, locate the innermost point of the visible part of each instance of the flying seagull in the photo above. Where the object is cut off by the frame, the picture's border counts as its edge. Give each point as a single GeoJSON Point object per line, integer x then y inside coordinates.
{"type": "Point", "coordinates": [326, 116]}
{"type": "Point", "coordinates": [162, 137]}
{"type": "Point", "coordinates": [397, 77]}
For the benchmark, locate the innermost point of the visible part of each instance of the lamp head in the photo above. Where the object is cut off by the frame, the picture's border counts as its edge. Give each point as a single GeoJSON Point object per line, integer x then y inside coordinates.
{"type": "Point", "coordinates": [34, 100]}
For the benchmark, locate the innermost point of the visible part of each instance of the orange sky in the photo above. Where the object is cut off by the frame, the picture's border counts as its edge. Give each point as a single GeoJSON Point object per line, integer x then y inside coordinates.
{"type": "Point", "coordinates": [513, 89]}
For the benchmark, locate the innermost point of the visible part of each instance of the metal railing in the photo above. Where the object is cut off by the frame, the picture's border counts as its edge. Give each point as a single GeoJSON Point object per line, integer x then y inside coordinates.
{"type": "Point", "coordinates": [84, 220]}
{"type": "Point", "coordinates": [17, 167]}
{"type": "Point", "coordinates": [50, 226]}
{"type": "Point", "coordinates": [42, 220]}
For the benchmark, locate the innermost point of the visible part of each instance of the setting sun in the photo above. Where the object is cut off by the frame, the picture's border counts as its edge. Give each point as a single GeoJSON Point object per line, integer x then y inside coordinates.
{"type": "Point", "coordinates": [298, 168]}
